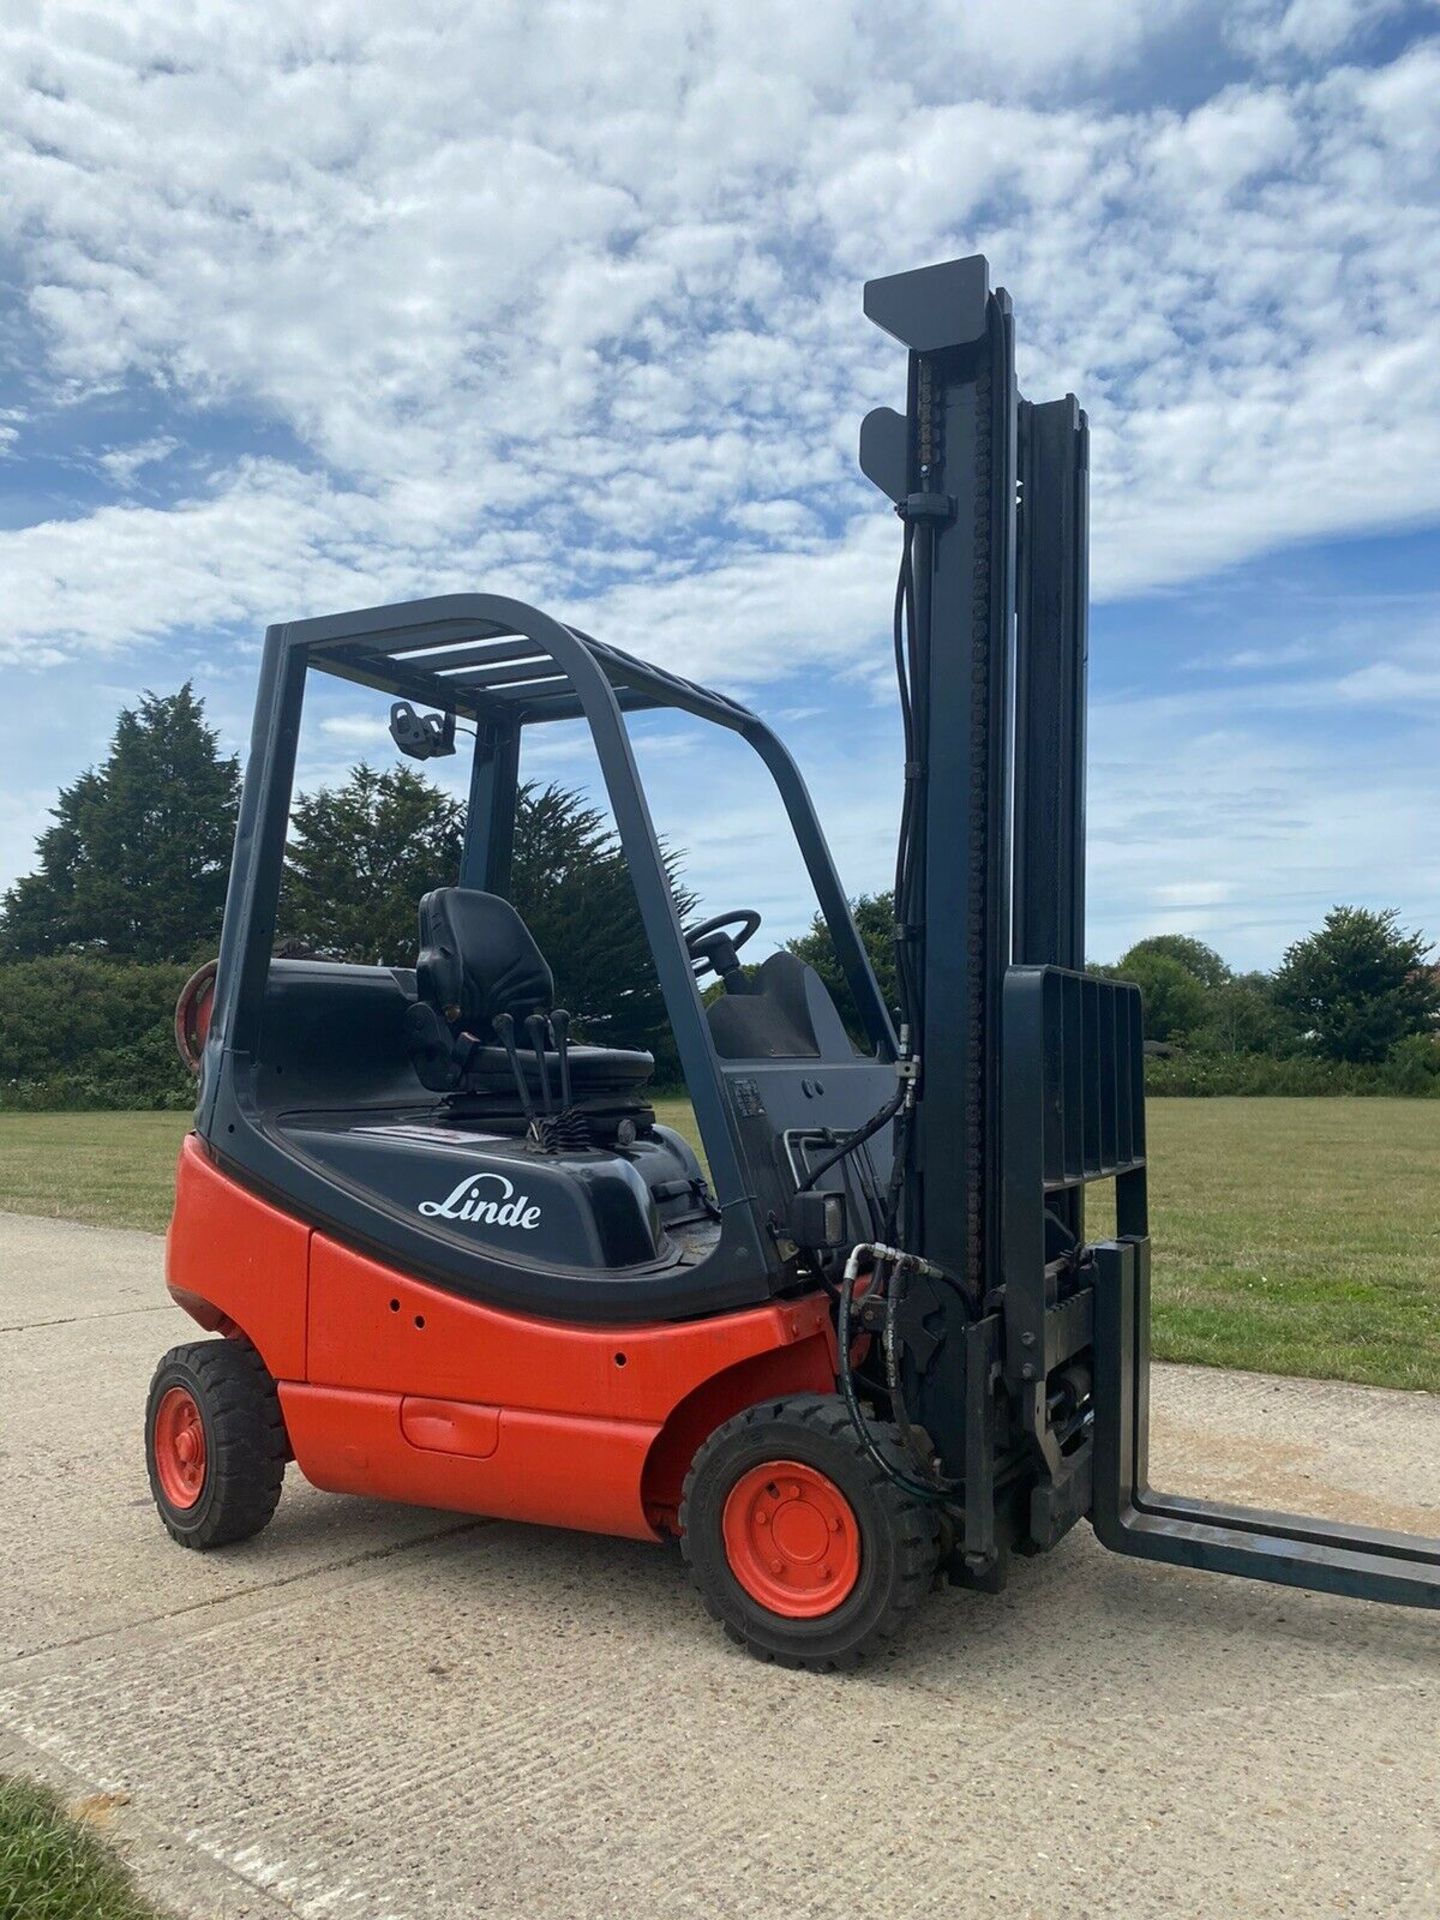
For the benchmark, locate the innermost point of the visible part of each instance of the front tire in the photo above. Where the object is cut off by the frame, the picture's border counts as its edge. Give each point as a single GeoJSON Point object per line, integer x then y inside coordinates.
{"type": "Point", "coordinates": [215, 1443]}
{"type": "Point", "coordinates": [803, 1549]}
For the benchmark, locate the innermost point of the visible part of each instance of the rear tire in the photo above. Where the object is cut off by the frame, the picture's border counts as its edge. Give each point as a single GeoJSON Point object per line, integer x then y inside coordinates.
{"type": "Point", "coordinates": [215, 1444]}
{"type": "Point", "coordinates": [800, 1546]}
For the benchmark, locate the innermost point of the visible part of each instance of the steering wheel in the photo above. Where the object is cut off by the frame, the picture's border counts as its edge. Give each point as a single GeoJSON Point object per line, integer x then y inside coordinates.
{"type": "Point", "coordinates": [710, 946]}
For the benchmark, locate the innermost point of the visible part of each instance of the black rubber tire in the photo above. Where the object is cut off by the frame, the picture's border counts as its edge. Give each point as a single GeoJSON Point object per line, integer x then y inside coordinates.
{"type": "Point", "coordinates": [899, 1535]}
{"type": "Point", "coordinates": [245, 1443]}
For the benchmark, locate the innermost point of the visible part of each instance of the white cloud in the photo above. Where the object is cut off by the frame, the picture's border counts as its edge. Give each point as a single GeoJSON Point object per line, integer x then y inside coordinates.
{"type": "Point", "coordinates": [355, 729]}
{"type": "Point", "coordinates": [538, 288]}
{"type": "Point", "coordinates": [123, 465]}
{"type": "Point", "coordinates": [564, 300]}
{"type": "Point", "coordinates": [1390, 683]}
{"type": "Point", "coordinates": [125, 573]}
{"type": "Point", "coordinates": [1313, 29]}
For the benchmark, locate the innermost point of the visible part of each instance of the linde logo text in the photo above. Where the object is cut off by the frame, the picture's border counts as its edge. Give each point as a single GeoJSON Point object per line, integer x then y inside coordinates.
{"type": "Point", "coordinates": [469, 1201]}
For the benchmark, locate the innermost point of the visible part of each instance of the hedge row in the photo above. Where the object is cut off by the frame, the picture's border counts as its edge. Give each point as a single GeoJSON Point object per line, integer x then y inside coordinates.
{"type": "Point", "coordinates": [83, 1033]}
{"type": "Point", "coordinates": [1411, 1072]}
{"type": "Point", "coordinates": [89, 1034]}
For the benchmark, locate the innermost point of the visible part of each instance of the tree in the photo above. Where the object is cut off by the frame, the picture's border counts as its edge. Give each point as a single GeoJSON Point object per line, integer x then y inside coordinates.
{"type": "Point", "coordinates": [1176, 1003]}
{"type": "Point", "coordinates": [359, 858]}
{"type": "Point", "coordinates": [1192, 954]}
{"type": "Point", "coordinates": [136, 863]}
{"type": "Point", "coordinates": [874, 917]}
{"type": "Point", "coordinates": [361, 855]}
{"type": "Point", "coordinates": [1359, 984]}
{"type": "Point", "coordinates": [571, 885]}
{"type": "Point", "coordinates": [1243, 1018]}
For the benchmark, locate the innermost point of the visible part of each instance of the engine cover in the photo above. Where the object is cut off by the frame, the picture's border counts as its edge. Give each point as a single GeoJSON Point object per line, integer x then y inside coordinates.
{"type": "Point", "coordinates": [592, 1208]}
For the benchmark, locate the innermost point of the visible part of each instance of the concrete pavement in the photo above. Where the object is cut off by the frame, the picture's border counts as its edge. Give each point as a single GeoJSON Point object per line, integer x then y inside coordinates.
{"type": "Point", "coordinates": [373, 1712]}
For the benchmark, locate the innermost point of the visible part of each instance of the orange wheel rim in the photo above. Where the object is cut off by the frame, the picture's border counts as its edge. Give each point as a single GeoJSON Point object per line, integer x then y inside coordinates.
{"type": "Point", "coordinates": [180, 1448]}
{"type": "Point", "coordinates": [792, 1539]}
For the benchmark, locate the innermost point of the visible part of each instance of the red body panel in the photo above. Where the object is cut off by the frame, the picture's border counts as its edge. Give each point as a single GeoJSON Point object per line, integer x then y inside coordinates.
{"type": "Point", "coordinates": [235, 1262]}
{"type": "Point", "coordinates": [435, 1343]}
{"type": "Point", "coordinates": [393, 1387]}
{"type": "Point", "coordinates": [546, 1467]}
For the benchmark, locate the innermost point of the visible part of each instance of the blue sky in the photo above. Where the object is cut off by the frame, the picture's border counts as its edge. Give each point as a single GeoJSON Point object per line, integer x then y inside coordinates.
{"type": "Point", "coordinates": [564, 301]}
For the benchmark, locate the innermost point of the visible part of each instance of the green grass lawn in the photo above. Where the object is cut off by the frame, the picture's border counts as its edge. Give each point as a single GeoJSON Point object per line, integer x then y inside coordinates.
{"type": "Point", "coordinates": [107, 1169]}
{"type": "Point", "coordinates": [1297, 1236]}
{"type": "Point", "coordinates": [54, 1868]}
{"type": "Point", "coordinates": [1291, 1236]}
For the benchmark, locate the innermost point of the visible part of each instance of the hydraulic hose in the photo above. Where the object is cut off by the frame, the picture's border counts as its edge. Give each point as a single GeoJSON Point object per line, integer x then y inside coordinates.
{"type": "Point", "coordinates": [847, 1146]}
{"type": "Point", "coordinates": [851, 1399]}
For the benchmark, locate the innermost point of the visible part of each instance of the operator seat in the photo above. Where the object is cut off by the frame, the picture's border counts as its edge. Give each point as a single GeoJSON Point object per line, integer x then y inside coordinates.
{"type": "Point", "coordinates": [478, 959]}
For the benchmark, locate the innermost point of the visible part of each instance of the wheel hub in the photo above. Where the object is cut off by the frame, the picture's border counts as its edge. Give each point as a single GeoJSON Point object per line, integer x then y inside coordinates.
{"type": "Point", "coordinates": [792, 1539]}
{"type": "Point", "coordinates": [179, 1443]}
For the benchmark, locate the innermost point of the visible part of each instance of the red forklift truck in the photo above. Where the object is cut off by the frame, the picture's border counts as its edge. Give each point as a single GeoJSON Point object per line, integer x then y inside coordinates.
{"type": "Point", "coordinates": [451, 1257]}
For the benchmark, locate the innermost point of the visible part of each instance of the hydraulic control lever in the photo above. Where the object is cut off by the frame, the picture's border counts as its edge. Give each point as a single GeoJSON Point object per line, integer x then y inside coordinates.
{"type": "Point", "coordinates": [560, 1028]}
{"type": "Point", "coordinates": [538, 1028]}
{"type": "Point", "coordinates": [504, 1025]}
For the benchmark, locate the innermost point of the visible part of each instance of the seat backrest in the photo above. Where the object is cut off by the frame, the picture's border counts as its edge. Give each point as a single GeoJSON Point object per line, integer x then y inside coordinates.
{"type": "Point", "coordinates": [477, 959]}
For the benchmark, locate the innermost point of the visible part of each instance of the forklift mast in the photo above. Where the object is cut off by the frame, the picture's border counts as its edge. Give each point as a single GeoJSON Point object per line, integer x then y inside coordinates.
{"type": "Point", "coordinates": [995, 490]}
{"type": "Point", "coordinates": [1026, 1352]}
